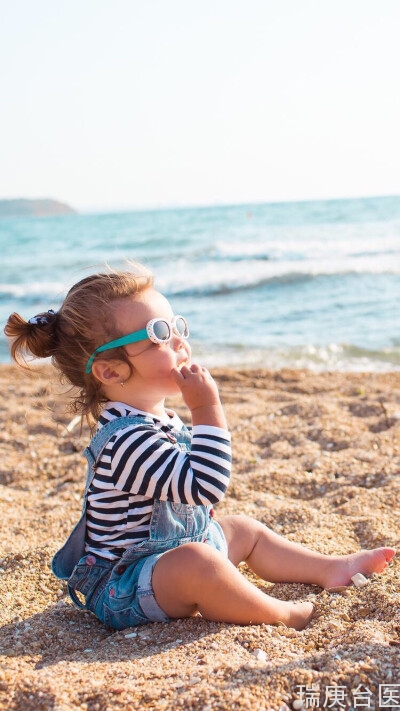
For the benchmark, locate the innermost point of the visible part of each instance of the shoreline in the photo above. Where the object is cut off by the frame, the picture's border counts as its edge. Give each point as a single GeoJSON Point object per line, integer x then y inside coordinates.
{"type": "Point", "coordinates": [316, 458]}
{"type": "Point", "coordinates": [316, 359]}
{"type": "Point", "coordinates": [341, 358]}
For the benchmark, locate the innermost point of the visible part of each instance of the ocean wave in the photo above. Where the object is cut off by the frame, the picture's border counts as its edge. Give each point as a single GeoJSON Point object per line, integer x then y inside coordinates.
{"type": "Point", "coordinates": [303, 254]}
{"type": "Point", "coordinates": [320, 243]}
{"type": "Point", "coordinates": [220, 277]}
{"type": "Point", "coordinates": [224, 287]}
{"type": "Point", "coordinates": [29, 290]}
{"type": "Point", "coordinates": [204, 284]}
{"type": "Point", "coordinates": [331, 357]}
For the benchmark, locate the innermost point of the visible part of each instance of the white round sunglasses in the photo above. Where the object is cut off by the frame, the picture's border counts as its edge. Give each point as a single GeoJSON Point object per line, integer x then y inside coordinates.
{"type": "Point", "coordinates": [158, 330]}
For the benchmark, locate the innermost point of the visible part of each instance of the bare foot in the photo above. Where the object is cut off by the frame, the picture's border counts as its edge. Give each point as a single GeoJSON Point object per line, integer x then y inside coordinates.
{"type": "Point", "coordinates": [296, 614]}
{"type": "Point", "coordinates": [340, 569]}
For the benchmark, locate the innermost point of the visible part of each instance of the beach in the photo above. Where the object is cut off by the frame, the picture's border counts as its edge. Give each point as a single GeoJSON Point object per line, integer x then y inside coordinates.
{"type": "Point", "coordinates": [315, 456]}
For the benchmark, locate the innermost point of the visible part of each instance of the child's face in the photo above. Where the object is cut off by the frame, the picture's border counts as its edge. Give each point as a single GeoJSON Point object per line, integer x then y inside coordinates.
{"type": "Point", "coordinates": [152, 363]}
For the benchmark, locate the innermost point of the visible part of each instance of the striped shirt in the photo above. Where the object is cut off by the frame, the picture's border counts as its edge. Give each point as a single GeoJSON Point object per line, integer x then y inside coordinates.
{"type": "Point", "coordinates": [139, 464]}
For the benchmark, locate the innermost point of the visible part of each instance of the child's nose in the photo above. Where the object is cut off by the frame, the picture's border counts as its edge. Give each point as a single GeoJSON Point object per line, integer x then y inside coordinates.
{"type": "Point", "coordinates": [177, 341]}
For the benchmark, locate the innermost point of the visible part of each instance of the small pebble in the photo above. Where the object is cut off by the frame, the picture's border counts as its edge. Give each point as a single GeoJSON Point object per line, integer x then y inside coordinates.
{"type": "Point", "coordinates": [297, 705]}
{"type": "Point", "coordinates": [131, 634]}
{"type": "Point", "coordinates": [359, 580]}
{"type": "Point", "coordinates": [248, 667]}
{"type": "Point", "coordinates": [260, 655]}
{"type": "Point", "coordinates": [335, 625]}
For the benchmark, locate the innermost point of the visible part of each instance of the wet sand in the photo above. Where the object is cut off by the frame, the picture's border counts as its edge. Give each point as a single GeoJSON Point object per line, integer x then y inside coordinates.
{"type": "Point", "coordinates": [316, 458]}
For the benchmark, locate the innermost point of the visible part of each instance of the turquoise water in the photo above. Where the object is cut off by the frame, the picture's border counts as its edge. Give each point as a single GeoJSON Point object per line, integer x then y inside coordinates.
{"type": "Point", "coordinates": [307, 284]}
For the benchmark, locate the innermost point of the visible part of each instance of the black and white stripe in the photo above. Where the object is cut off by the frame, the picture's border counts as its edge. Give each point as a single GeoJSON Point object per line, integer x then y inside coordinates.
{"type": "Point", "coordinates": [140, 464]}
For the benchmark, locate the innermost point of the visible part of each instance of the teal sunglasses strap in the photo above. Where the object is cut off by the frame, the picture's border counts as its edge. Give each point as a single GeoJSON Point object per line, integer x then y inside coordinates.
{"type": "Point", "coordinates": [123, 341]}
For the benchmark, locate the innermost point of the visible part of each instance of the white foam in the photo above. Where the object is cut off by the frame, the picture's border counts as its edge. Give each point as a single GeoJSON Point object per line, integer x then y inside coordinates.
{"type": "Point", "coordinates": [29, 289]}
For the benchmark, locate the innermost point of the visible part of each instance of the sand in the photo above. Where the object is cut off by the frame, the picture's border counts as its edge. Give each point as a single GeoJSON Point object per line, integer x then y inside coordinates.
{"type": "Point", "coordinates": [316, 457]}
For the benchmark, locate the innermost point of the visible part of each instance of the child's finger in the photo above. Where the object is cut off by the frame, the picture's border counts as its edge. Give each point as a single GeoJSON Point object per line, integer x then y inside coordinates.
{"type": "Point", "coordinates": [180, 374]}
{"type": "Point", "coordinates": [194, 368]}
{"type": "Point", "coordinates": [177, 375]}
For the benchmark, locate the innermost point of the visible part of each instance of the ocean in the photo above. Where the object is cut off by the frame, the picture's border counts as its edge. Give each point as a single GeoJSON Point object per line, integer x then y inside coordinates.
{"type": "Point", "coordinates": [301, 284]}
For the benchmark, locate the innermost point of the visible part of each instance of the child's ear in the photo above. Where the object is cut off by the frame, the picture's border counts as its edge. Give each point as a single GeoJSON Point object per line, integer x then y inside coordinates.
{"type": "Point", "coordinates": [110, 372]}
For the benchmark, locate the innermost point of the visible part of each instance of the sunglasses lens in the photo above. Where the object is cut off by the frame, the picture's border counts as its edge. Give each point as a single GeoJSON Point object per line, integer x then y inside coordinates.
{"type": "Point", "coordinates": [181, 326]}
{"type": "Point", "coordinates": [161, 330]}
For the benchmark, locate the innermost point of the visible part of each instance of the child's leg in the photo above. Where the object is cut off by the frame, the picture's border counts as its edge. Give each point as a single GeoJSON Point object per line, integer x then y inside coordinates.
{"type": "Point", "coordinates": [276, 559]}
{"type": "Point", "coordinates": [196, 577]}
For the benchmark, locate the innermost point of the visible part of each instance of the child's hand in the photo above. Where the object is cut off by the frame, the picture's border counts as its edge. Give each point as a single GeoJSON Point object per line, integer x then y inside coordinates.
{"type": "Point", "coordinates": [200, 394]}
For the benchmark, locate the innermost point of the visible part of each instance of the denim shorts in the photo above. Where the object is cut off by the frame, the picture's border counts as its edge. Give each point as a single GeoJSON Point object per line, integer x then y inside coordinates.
{"type": "Point", "coordinates": [121, 594]}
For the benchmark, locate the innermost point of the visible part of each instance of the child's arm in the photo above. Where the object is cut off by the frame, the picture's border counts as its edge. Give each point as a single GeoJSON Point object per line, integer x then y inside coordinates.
{"type": "Point", "coordinates": [143, 463]}
{"type": "Point", "coordinates": [200, 394]}
{"type": "Point", "coordinates": [142, 460]}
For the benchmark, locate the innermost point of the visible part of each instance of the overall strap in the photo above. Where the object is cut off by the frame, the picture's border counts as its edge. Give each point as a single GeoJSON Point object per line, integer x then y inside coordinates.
{"type": "Point", "coordinates": [102, 437]}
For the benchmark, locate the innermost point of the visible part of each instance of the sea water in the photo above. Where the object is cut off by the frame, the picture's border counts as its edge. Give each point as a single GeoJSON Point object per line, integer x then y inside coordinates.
{"type": "Point", "coordinates": [302, 284]}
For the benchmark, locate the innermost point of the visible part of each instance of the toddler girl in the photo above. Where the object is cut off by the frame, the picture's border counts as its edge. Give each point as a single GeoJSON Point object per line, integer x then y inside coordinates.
{"type": "Point", "coordinates": [148, 547]}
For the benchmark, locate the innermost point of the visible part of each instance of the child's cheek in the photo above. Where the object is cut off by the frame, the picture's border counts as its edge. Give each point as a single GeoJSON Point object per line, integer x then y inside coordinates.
{"type": "Point", "coordinates": [160, 368]}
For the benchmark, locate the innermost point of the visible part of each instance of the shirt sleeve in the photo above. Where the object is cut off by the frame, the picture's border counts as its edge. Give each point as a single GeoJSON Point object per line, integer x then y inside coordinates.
{"type": "Point", "coordinates": [141, 461]}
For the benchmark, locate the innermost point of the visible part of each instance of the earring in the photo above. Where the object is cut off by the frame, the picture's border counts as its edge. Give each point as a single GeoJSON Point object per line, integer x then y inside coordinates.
{"type": "Point", "coordinates": [122, 383]}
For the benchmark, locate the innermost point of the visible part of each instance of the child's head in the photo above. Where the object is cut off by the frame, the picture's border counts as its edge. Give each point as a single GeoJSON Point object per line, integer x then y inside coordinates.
{"type": "Point", "coordinates": [84, 322]}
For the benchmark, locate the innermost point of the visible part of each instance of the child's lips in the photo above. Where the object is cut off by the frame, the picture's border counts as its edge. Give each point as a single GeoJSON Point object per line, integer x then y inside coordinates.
{"type": "Point", "coordinates": [184, 362]}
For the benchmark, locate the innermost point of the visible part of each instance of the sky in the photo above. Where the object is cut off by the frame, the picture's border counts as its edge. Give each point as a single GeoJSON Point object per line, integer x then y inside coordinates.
{"type": "Point", "coordinates": [115, 104]}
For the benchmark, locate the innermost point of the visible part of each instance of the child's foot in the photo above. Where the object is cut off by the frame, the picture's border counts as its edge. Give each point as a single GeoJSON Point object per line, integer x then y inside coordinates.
{"type": "Point", "coordinates": [340, 569]}
{"type": "Point", "coordinates": [296, 614]}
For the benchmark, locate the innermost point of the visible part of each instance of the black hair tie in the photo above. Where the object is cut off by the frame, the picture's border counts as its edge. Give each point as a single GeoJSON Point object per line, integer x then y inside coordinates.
{"type": "Point", "coordinates": [42, 319]}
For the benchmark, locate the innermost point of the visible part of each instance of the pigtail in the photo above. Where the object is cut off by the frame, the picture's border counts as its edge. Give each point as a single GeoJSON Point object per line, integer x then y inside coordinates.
{"type": "Point", "coordinates": [36, 337]}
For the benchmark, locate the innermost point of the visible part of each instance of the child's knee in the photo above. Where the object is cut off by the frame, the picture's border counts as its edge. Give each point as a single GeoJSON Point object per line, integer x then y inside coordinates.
{"type": "Point", "coordinates": [200, 556]}
{"type": "Point", "coordinates": [236, 520]}
{"type": "Point", "coordinates": [201, 562]}
{"type": "Point", "coordinates": [238, 525]}
{"type": "Point", "coordinates": [191, 562]}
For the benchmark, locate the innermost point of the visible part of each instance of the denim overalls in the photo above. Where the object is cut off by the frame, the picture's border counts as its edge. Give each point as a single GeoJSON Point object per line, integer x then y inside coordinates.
{"type": "Point", "coordinates": [119, 592]}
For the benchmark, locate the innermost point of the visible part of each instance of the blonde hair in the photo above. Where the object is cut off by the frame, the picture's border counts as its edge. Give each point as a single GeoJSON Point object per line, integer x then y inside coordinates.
{"type": "Point", "coordinates": [84, 322]}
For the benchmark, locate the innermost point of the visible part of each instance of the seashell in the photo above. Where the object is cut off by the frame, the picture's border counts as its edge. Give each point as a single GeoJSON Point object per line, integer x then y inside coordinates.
{"type": "Point", "coordinates": [260, 655]}
{"type": "Point", "coordinates": [71, 425]}
{"type": "Point", "coordinates": [359, 580]}
{"type": "Point", "coordinates": [337, 589]}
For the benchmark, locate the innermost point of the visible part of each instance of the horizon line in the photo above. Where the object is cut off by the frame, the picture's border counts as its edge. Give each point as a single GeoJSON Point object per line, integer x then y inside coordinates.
{"type": "Point", "coordinates": [159, 207]}
{"type": "Point", "coordinates": [196, 206]}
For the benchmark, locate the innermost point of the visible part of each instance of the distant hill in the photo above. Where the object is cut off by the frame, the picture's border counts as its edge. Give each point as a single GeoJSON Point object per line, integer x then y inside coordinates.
{"type": "Point", "coordinates": [34, 208]}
